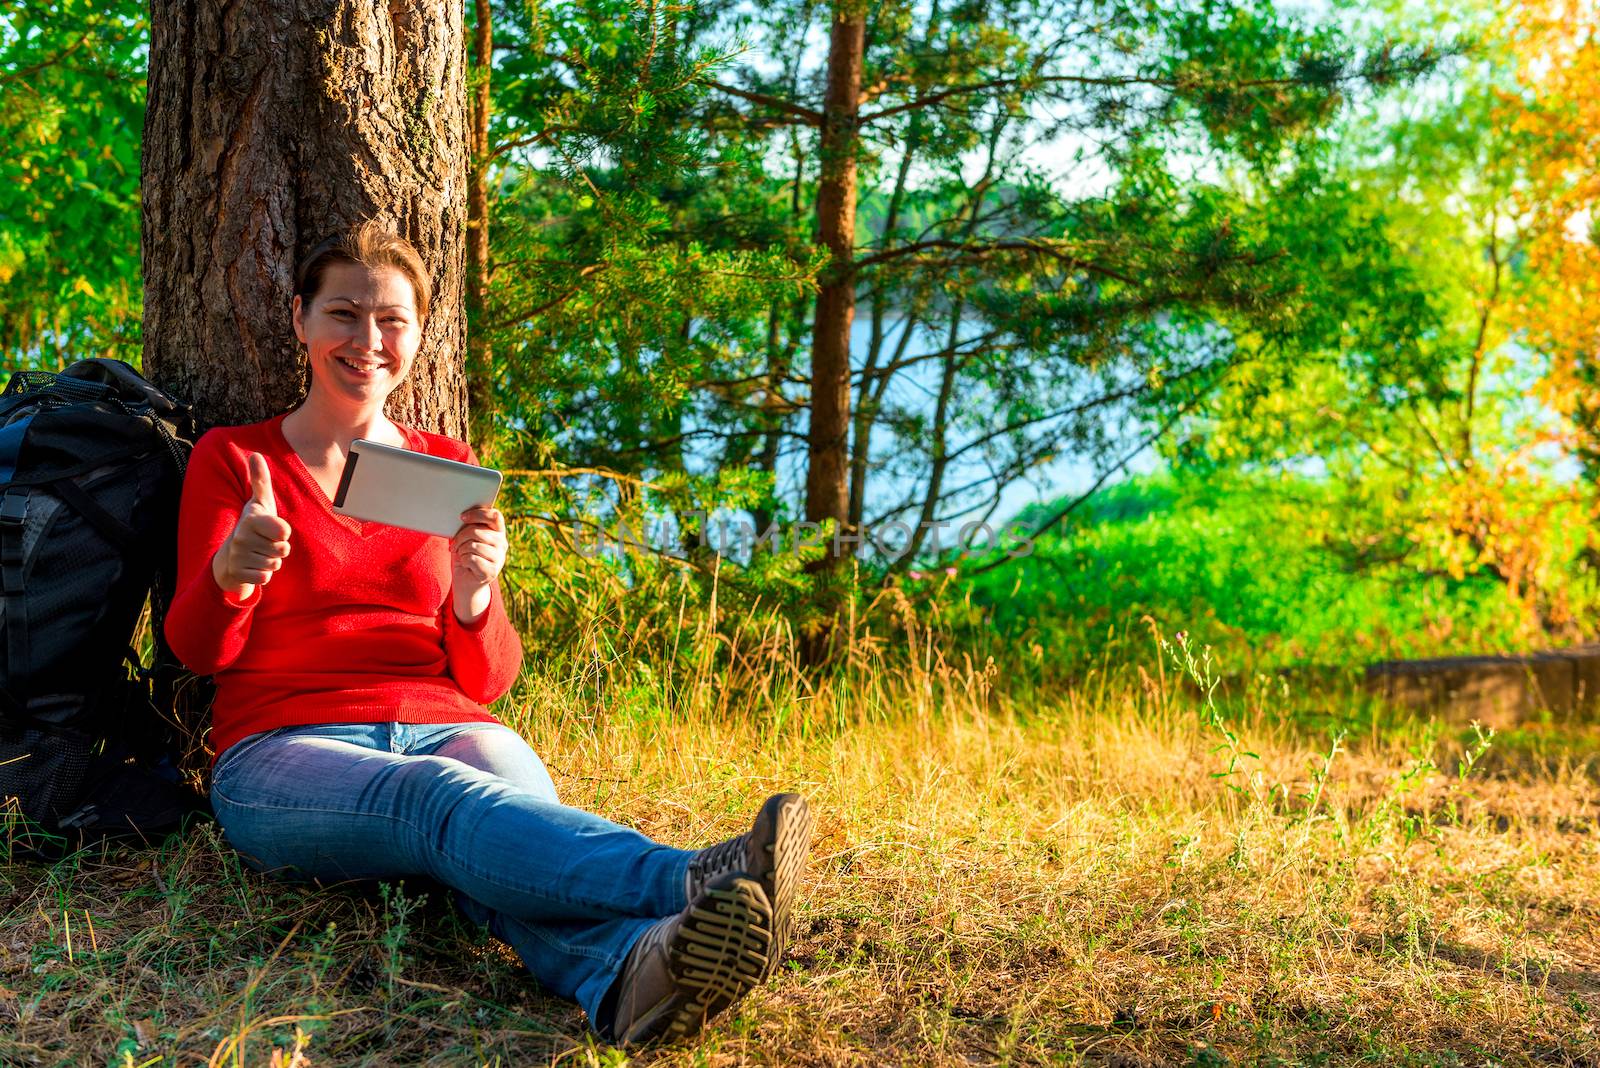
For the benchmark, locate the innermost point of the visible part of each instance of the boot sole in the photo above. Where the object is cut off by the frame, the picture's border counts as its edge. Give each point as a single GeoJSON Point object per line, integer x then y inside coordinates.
{"type": "Point", "coordinates": [716, 957]}
{"type": "Point", "coordinates": [788, 848]}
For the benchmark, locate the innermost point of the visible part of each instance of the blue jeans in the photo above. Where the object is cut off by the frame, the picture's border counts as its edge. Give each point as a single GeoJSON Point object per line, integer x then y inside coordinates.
{"type": "Point", "coordinates": [469, 805]}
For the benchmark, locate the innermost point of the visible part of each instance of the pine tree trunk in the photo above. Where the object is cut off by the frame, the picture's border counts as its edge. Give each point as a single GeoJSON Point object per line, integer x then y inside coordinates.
{"type": "Point", "coordinates": [827, 474]}
{"type": "Point", "coordinates": [828, 438]}
{"type": "Point", "coordinates": [269, 127]}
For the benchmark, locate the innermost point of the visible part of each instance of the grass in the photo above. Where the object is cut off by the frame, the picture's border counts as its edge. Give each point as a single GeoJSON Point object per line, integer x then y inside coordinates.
{"type": "Point", "coordinates": [1119, 874]}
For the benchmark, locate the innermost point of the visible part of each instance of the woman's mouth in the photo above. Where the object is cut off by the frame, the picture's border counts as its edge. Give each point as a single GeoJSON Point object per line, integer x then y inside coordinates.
{"type": "Point", "coordinates": [363, 368]}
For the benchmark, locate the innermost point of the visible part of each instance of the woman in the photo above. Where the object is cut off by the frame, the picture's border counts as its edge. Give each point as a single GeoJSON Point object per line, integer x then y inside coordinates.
{"type": "Point", "coordinates": [353, 661]}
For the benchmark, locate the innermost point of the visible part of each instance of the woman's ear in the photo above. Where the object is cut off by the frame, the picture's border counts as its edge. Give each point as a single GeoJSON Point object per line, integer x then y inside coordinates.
{"type": "Point", "coordinates": [299, 324]}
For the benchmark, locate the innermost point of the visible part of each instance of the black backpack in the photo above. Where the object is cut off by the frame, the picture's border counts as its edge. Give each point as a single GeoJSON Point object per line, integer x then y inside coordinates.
{"type": "Point", "coordinates": [91, 468]}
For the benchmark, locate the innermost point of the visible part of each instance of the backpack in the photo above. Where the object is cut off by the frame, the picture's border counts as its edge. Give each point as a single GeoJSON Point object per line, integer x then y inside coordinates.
{"type": "Point", "coordinates": [91, 469]}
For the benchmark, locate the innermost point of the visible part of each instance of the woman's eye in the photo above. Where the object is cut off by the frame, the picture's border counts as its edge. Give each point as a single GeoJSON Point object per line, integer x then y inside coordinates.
{"type": "Point", "coordinates": [341, 313]}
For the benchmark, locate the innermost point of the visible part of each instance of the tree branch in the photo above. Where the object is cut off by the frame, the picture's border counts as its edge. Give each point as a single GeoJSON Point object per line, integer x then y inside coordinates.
{"type": "Point", "coordinates": [50, 61]}
{"type": "Point", "coordinates": [531, 313]}
{"type": "Point", "coordinates": [966, 248]}
{"type": "Point", "coordinates": [1129, 81]}
{"type": "Point", "coordinates": [787, 107]}
{"type": "Point", "coordinates": [1071, 506]}
{"type": "Point", "coordinates": [543, 137]}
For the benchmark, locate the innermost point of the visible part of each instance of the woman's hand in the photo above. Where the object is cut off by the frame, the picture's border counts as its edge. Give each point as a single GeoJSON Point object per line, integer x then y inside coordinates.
{"type": "Point", "coordinates": [259, 542]}
{"type": "Point", "coordinates": [477, 554]}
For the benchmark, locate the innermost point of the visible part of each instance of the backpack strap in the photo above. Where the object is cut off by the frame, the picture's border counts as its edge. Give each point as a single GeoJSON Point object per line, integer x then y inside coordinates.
{"type": "Point", "coordinates": [19, 658]}
{"type": "Point", "coordinates": [110, 527]}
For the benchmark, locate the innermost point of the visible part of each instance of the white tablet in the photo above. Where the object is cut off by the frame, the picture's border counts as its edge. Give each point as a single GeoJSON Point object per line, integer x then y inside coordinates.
{"type": "Point", "coordinates": [385, 484]}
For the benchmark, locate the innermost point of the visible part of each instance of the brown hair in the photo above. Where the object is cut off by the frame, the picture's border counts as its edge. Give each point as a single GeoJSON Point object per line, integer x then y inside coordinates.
{"type": "Point", "coordinates": [368, 244]}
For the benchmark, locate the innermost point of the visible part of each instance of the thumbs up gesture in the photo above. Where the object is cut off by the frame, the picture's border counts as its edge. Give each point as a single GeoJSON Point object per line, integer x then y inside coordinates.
{"type": "Point", "coordinates": [259, 542]}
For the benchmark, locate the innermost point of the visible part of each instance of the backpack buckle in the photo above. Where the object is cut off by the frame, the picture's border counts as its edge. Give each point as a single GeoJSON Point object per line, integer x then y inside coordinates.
{"type": "Point", "coordinates": [13, 508]}
{"type": "Point", "coordinates": [84, 816]}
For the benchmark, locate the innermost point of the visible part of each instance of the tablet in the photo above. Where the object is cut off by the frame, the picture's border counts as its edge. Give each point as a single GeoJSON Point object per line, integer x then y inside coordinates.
{"type": "Point", "coordinates": [385, 484]}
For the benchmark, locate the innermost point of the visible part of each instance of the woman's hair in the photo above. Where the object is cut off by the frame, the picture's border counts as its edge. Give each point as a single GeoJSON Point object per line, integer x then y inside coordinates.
{"type": "Point", "coordinates": [368, 244]}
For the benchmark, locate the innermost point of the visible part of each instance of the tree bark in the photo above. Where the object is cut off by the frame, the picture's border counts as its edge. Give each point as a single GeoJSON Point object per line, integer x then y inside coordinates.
{"type": "Point", "coordinates": [480, 363]}
{"type": "Point", "coordinates": [269, 127]}
{"type": "Point", "coordinates": [827, 473]}
{"type": "Point", "coordinates": [828, 437]}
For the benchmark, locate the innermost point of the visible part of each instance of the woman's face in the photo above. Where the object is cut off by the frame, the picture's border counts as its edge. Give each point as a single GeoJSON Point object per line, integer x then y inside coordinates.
{"type": "Point", "coordinates": [361, 332]}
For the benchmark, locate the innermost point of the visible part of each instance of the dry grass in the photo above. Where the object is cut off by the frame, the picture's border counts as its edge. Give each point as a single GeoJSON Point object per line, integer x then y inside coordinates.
{"type": "Point", "coordinates": [1059, 880]}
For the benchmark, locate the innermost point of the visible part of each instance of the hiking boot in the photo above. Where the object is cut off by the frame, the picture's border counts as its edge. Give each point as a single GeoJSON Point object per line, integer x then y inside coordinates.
{"type": "Point", "coordinates": [773, 853]}
{"type": "Point", "coordinates": [687, 968]}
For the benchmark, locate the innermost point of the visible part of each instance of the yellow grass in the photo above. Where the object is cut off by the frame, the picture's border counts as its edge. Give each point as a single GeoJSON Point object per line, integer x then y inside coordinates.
{"type": "Point", "coordinates": [1050, 879]}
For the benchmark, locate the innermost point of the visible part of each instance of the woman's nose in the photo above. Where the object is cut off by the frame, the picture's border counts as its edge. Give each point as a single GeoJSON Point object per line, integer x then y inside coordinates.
{"type": "Point", "coordinates": [368, 334]}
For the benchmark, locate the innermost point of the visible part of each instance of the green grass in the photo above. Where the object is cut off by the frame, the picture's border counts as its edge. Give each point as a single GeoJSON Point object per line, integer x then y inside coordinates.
{"type": "Point", "coordinates": [1246, 565]}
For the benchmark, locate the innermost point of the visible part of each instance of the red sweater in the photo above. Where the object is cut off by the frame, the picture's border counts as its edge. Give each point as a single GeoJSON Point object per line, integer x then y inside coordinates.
{"type": "Point", "coordinates": [356, 627]}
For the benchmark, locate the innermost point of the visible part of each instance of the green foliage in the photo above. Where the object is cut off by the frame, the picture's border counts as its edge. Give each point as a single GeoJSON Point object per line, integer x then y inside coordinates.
{"type": "Point", "coordinates": [1407, 380]}
{"type": "Point", "coordinates": [654, 257]}
{"type": "Point", "coordinates": [72, 93]}
{"type": "Point", "coordinates": [1079, 223]}
{"type": "Point", "coordinates": [1248, 566]}
{"type": "Point", "coordinates": [1260, 81]}
{"type": "Point", "coordinates": [616, 318]}
{"type": "Point", "coordinates": [1413, 234]}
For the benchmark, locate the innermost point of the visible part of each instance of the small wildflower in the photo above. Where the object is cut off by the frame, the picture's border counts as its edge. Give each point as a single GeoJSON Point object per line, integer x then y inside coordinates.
{"type": "Point", "coordinates": [951, 571]}
{"type": "Point", "coordinates": [917, 576]}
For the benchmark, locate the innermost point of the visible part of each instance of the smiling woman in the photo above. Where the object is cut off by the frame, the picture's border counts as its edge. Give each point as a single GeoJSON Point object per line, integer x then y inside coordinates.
{"type": "Point", "coordinates": [352, 673]}
{"type": "Point", "coordinates": [359, 304]}
{"type": "Point", "coordinates": [364, 319]}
